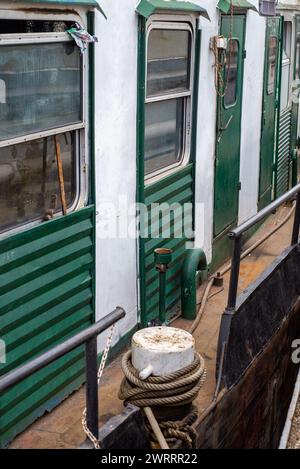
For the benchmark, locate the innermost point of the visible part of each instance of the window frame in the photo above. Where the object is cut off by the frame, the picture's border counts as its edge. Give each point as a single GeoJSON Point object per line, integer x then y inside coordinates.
{"type": "Point", "coordinates": [270, 91]}
{"type": "Point", "coordinates": [286, 63]}
{"type": "Point", "coordinates": [80, 129]}
{"type": "Point", "coordinates": [231, 105]}
{"type": "Point", "coordinates": [181, 23]}
{"type": "Point", "coordinates": [46, 38]}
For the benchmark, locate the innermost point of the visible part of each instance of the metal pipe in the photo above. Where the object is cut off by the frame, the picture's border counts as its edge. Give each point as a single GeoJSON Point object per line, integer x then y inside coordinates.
{"type": "Point", "coordinates": [162, 297]}
{"type": "Point", "coordinates": [162, 258]}
{"type": "Point", "coordinates": [22, 372]}
{"type": "Point", "coordinates": [91, 390]}
{"type": "Point", "coordinates": [295, 235]}
{"type": "Point", "coordinates": [264, 212]}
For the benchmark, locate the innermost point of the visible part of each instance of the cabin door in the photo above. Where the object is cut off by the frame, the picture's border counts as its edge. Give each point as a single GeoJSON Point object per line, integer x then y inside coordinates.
{"type": "Point", "coordinates": [270, 100]}
{"type": "Point", "coordinates": [227, 161]}
{"type": "Point", "coordinates": [295, 107]}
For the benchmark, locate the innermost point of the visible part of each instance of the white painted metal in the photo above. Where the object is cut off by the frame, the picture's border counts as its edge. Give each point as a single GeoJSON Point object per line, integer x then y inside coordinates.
{"type": "Point", "coordinates": [161, 350]}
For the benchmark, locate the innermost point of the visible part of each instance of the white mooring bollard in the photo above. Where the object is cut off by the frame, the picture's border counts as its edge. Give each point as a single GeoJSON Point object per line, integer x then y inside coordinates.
{"type": "Point", "coordinates": [158, 351]}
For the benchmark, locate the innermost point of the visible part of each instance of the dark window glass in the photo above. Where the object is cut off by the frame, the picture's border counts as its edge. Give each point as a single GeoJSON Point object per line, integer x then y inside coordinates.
{"type": "Point", "coordinates": [29, 179]}
{"type": "Point", "coordinates": [168, 61]}
{"type": "Point", "coordinates": [163, 134]}
{"type": "Point", "coordinates": [40, 88]}
{"type": "Point", "coordinates": [272, 56]}
{"type": "Point", "coordinates": [231, 72]}
{"type": "Point", "coordinates": [297, 66]}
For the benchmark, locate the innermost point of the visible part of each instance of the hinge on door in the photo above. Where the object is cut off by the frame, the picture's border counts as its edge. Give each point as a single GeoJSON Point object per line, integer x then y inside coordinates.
{"type": "Point", "coordinates": [277, 104]}
{"type": "Point", "coordinates": [244, 54]}
{"type": "Point", "coordinates": [239, 186]}
{"type": "Point", "coordinates": [274, 167]}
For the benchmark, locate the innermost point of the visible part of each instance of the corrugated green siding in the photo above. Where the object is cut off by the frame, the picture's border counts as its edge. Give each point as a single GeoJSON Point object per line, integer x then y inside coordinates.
{"type": "Point", "coordinates": [283, 153]}
{"type": "Point", "coordinates": [46, 295]}
{"type": "Point", "coordinates": [177, 188]}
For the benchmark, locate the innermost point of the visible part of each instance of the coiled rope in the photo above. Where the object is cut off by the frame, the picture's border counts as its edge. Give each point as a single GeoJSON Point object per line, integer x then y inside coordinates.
{"type": "Point", "coordinates": [179, 388]}
{"type": "Point", "coordinates": [181, 430]}
{"type": "Point", "coordinates": [174, 389]}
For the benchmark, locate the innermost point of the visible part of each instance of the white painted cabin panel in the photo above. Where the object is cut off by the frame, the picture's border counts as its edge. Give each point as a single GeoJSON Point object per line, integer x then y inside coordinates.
{"type": "Point", "coordinates": [115, 155]}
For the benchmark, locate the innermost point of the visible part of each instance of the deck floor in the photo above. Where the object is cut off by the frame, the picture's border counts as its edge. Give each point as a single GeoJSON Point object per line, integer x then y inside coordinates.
{"type": "Point", "coordinates": [61, 429]}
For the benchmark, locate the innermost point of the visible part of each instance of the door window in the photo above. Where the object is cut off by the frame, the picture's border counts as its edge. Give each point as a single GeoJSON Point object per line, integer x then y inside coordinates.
{"type": "Point", "coordinates": [272, 57]}
{"type": "Point", "coordinates": [231, 72]}
{"type": "Point", "coordinates": [168, 96]}
{"type": "Point", "coordinates": [286, 65]}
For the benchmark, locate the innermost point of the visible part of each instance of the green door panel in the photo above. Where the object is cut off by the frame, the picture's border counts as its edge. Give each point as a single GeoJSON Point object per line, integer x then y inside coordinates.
{"type": "Point", "coordinates": [175, 189]}
{"type": "Point", "coordinates": [270, 93]}
{"type": "Point", "coordinates": [227, 161]}
{"type": "Point", "coordinates": [295, 105]}
{"type": "Point", "coordinates": [46, 291]}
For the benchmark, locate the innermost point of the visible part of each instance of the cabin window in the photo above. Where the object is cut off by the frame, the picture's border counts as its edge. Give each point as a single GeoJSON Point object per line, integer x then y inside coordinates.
{"type": "Point", "coordinates": [272, 57]}
{"type": "Point", "coordinates": [42, 88]}
{"type": "Point", "coordinates": [286, 65]}
{"type": "Point", "coordinates": [297, 64]}
{"type": "Point", "coordinates": [28, 179]}
{"type": "Point", "coordinates": [168, 95]}
{"type": "Point", "coordinates": [41, 101]}
{"type": "Point", "coordinates": [231, 72]}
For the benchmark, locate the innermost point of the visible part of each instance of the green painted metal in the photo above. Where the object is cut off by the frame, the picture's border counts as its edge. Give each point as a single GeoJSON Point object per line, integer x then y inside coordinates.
{"type": "Point", "coordinates": [283, 159]}
{"type": "Point", "coordinates": [177, 187]}
{"type": "Point", "coordinates": [162, 259]}
{"type": "Point", "coordinates": [86, 3]}
{"type": "Point", "coordinates": [194, 262]}
{"type": "Point", "coordinates": [295, 107]}
{"type": "Point", "coordinates": [146, 8]}
{"type": "Point", "coordinates": [270, 100]}
{"type": "Point", "coordinates": [46, 290]}
{"type": "Point", "coordinates": [225, 5]}
{"type": "Point", "coordinates": [227, 161]}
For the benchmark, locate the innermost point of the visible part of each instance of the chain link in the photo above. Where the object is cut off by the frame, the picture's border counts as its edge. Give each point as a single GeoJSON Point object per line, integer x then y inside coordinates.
{"type": "Point", "coordinates": [88, 433]}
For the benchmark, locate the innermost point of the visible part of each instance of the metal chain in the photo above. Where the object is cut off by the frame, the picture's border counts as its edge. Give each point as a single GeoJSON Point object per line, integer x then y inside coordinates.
{"type": "Point", "coordinates": [88, 433]}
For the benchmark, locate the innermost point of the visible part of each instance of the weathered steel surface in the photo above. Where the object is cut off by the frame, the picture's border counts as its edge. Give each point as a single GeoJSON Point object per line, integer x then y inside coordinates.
{"type": "Point", "coordinates": [262, 310]}
{"type": "Point", "coordinates": [252, 413]}
{"type": "Point", "coordinates": [46, 296]}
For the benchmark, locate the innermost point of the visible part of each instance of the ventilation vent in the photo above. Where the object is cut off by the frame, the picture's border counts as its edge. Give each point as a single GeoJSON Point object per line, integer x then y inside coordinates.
{"type": "Point", "coordinates": [267, 7]}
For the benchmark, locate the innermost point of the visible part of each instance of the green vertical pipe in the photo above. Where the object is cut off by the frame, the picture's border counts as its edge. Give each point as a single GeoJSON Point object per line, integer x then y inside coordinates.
{"type": "Point", "coordinates": [162, 297]}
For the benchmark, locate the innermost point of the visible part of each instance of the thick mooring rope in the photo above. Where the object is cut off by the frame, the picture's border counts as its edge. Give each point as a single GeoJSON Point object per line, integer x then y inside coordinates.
{"type": "Point", "coordinates": [179, 388]}
{"type": "Point", "coordinates": [179, 430]}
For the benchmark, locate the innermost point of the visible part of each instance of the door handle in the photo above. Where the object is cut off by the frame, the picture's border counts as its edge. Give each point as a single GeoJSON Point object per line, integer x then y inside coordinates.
{"type": "Point", "coordinates": [222, 129]}
{"type": "Point", "coordinates": [227, 125]}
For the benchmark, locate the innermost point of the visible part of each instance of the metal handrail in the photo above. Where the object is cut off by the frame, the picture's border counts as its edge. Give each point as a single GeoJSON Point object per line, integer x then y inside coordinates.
{"type": "Point", "coordinates": [236, 235]}
{"type": "Point", "coordinates": [264, 212]}
{"type": "Point", "coordinates": [87, 337]}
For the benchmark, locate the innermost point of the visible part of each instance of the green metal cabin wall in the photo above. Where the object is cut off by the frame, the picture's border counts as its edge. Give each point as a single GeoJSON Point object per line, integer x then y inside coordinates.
{"type": "Point", "coordinates": [47, 294]}
{"type": "Point", "coordinates": [46, 291]}
{"type": "Point", "coordinates": [283, 163]}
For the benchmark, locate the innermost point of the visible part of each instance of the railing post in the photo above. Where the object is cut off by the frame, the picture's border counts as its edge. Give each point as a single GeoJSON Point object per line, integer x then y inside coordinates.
{"type": "Point", "coordinates": [235, 271]}
{"type": "Point", "coordinates": [230, 309]}
{"type": "Point", "coordinates": [295, 235]}
{"type": "Point", "coordinates": [92, 406]}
